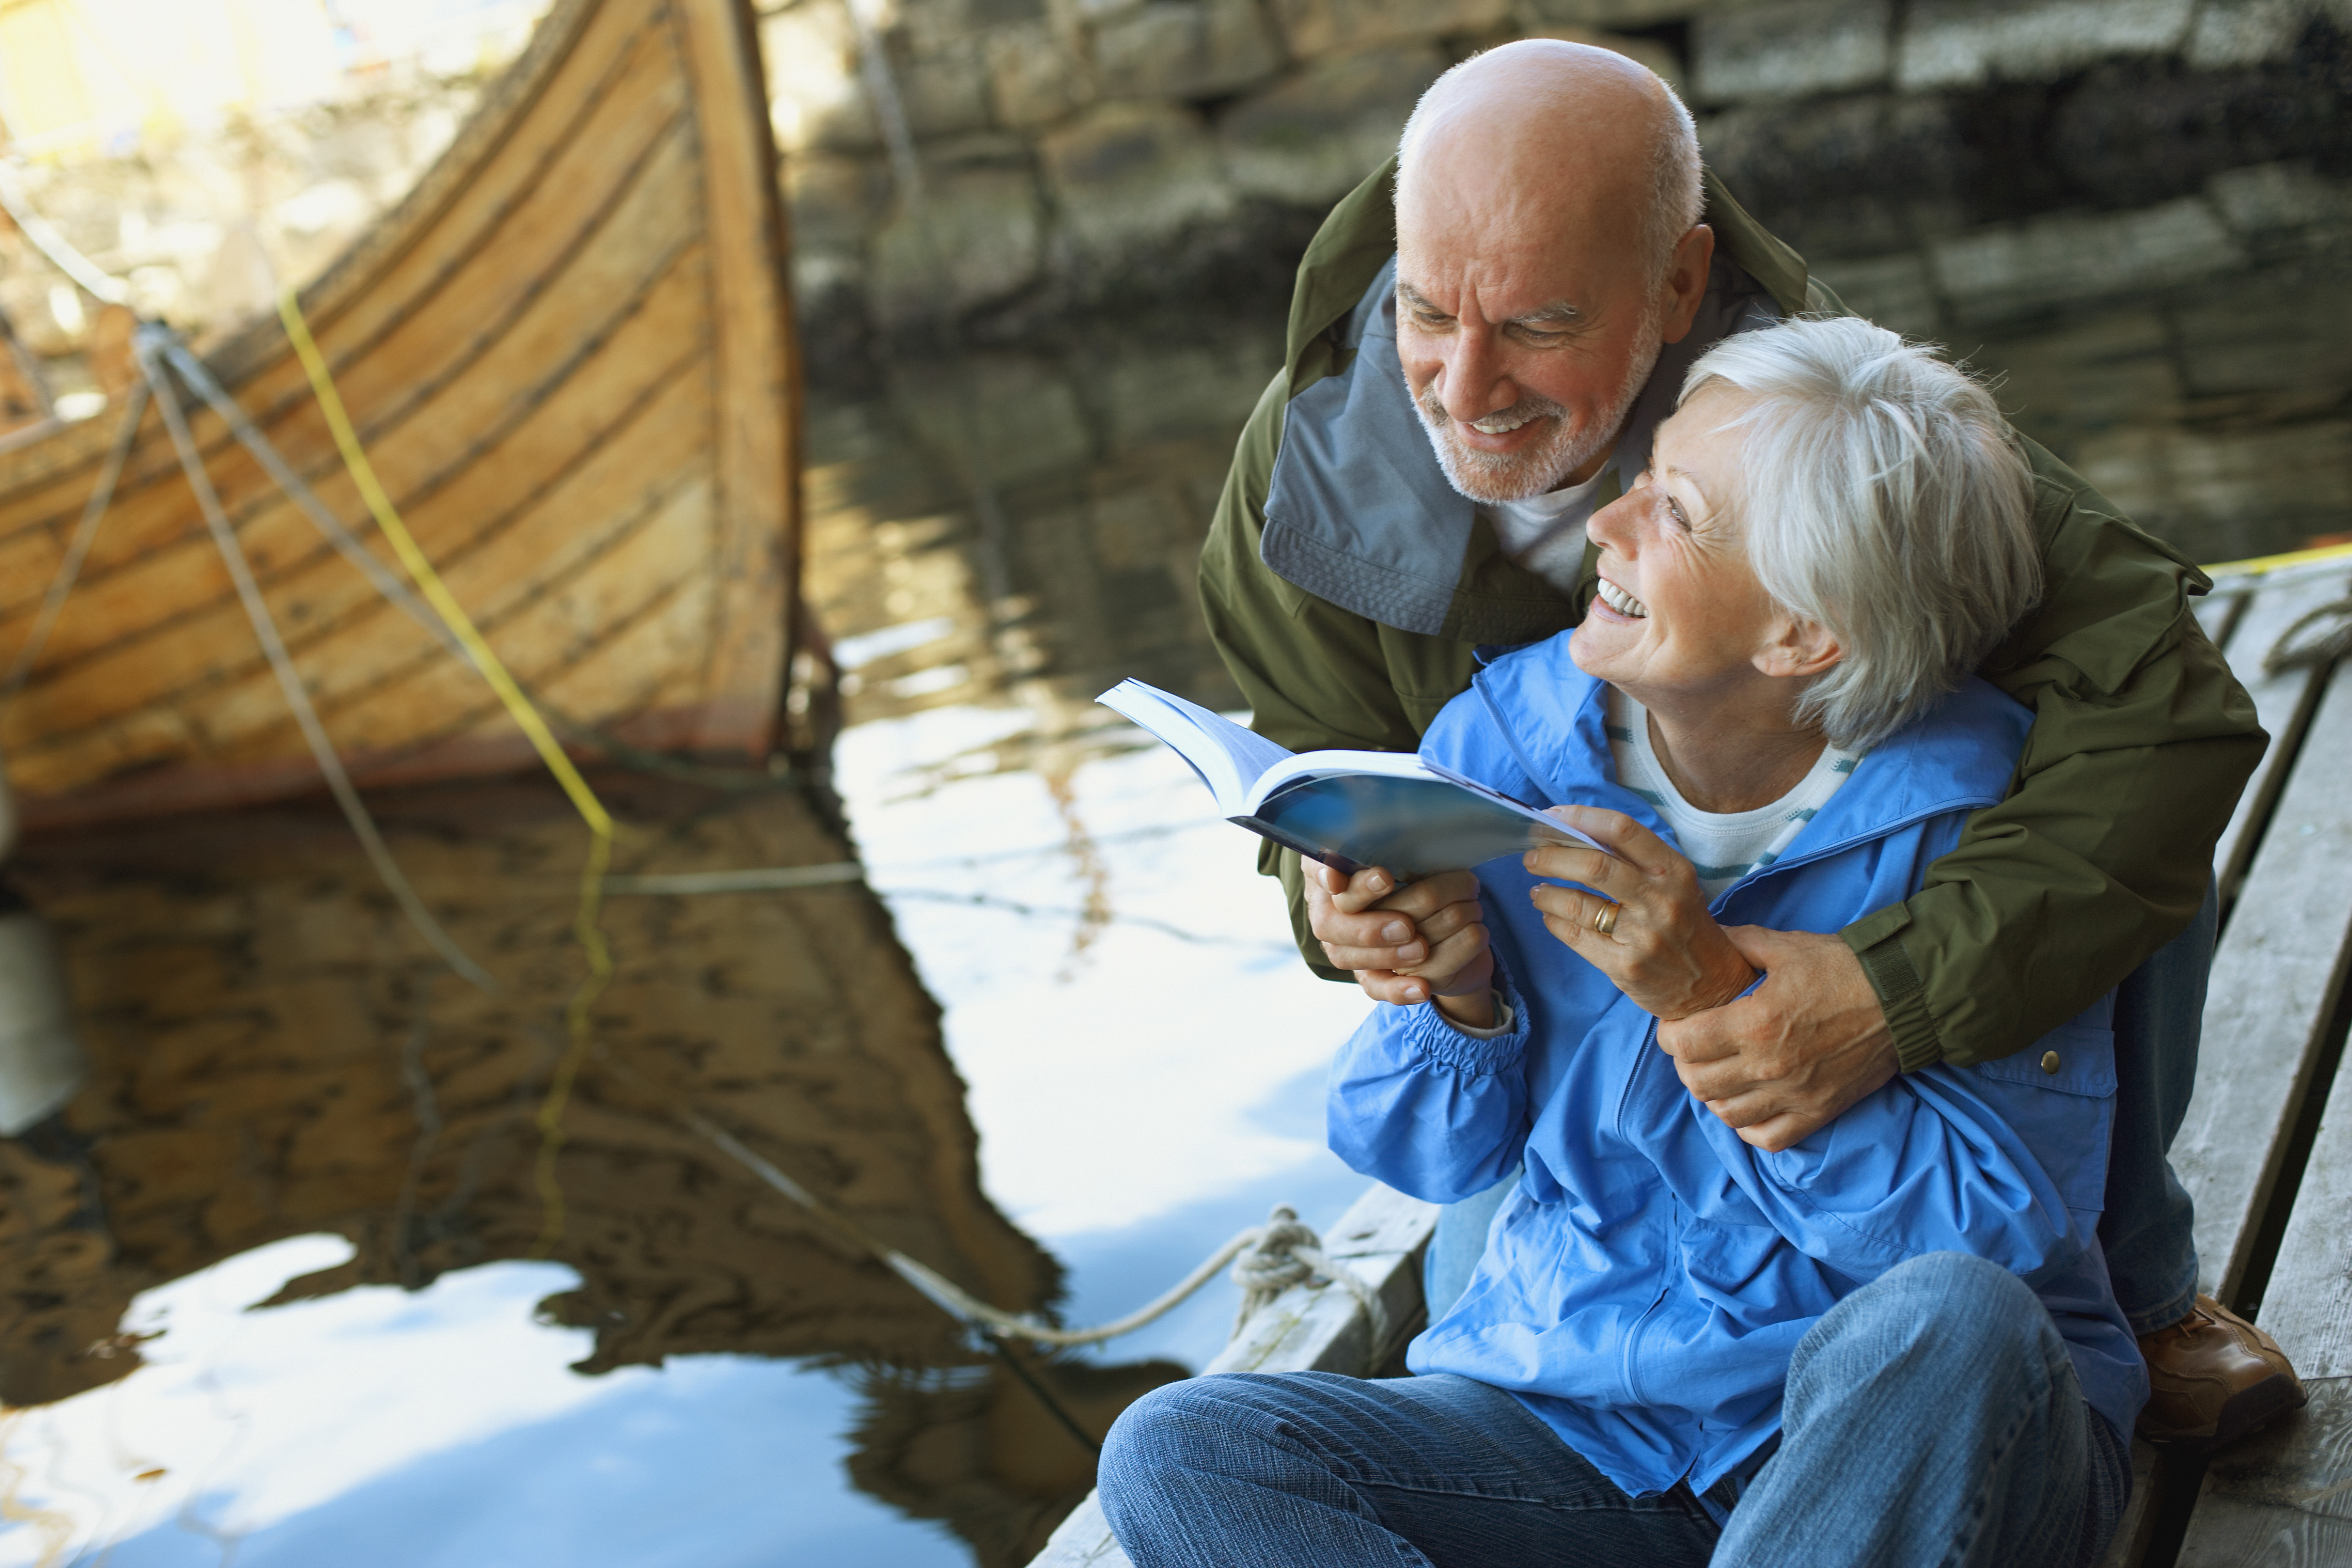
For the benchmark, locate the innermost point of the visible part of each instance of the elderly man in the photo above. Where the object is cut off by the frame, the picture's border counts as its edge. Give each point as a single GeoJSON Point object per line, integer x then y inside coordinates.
{"type": "Point", "coordinates": [1472, 371]}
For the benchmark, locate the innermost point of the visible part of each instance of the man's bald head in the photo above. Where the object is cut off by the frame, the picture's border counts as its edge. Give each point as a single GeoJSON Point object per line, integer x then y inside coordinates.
{"type": "Point", "coordinates": [1543, 134]}
{"type": "Point", "coordinates": [1547, 249]}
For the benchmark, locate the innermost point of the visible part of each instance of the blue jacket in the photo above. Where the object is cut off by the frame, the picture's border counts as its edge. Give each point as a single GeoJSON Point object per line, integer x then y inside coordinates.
{"type": "Point", "coordinates": [1645, 1286]}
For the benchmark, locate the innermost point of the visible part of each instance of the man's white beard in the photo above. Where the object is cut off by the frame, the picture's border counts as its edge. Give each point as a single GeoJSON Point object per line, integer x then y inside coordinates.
{"type": "Point", "coordinates": [1492, 477]}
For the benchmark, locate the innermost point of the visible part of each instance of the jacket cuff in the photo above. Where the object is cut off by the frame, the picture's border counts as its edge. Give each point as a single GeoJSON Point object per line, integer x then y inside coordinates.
{"type": "Point", "coordinates": [1877, 940]}
{"type": "Point", "coordinates": [1433, 1035]}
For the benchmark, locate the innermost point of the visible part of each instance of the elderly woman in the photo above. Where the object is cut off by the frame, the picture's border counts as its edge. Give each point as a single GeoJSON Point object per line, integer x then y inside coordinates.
{"type": "Point", "coordinates": [1893, 1343]}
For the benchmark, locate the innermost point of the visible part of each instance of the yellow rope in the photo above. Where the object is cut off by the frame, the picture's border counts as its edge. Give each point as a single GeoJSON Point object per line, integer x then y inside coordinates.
{"type": "Point", "coordinates": [2260, 565]}
{"type": "Point", "coordinates": [428, 581]}
{"type": "Point", "coordinates": [576, 1015]}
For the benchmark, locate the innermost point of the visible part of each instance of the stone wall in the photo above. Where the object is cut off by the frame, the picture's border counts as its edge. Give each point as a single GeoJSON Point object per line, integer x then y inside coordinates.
{"type": "Point", "coordinates": [2135, 210]}
{"type": "Point", "coordinates": [1084, 153]}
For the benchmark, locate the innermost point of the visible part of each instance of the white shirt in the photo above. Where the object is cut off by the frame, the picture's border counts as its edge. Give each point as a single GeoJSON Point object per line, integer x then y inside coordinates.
{"type": "Point", "coordinates": [1545, 533]}
{"type": "Point", "coordinates": [1721, 845]}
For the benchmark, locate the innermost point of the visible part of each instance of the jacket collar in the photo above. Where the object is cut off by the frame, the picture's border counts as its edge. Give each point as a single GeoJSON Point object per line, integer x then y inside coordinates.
{"type": "Point", "coordinates": [1958, 755]}
{"type": "Point", "coordinates": [1358, 510]}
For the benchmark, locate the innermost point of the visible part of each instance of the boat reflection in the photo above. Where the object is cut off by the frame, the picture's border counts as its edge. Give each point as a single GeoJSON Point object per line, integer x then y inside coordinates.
{"type": "Point", "coordinates": [274, 1055]}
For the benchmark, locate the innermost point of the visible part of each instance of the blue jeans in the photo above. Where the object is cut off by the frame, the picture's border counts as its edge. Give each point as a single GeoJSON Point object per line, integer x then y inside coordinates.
{"type": "Point", "coordinates": [1932, 1417]}
{"type": "Point", "coordinates": [2146, 1230]}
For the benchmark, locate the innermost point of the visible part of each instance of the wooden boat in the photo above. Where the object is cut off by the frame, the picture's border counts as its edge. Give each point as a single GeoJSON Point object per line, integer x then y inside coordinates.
{"type": "Point", "coordinates": [569, 353]}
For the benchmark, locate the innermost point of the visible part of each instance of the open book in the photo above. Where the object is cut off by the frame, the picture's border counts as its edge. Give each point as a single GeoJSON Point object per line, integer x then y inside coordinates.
{"type": "Point", "coordinates": [1347, 809]}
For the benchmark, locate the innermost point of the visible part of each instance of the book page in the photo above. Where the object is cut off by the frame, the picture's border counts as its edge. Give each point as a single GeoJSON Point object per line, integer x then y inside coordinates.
{"type": "Point", "coordinates": [1228, 757]}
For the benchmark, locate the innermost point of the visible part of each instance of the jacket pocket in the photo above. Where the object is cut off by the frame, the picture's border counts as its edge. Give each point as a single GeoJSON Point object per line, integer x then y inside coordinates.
{"type": "Point", "coordinates": [2059, 1096]}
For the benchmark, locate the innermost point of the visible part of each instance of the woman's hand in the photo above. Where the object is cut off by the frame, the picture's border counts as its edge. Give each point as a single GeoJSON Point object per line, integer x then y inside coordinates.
{"type": "Point", "coordinates": [1439, 938]}
{"type": "Point", "coordinates": [1650, 933]}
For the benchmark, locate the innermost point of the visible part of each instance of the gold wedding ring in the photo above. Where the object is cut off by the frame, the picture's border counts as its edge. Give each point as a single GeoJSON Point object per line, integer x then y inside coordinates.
{"type": "Point", "coordinates": [1604, 918]}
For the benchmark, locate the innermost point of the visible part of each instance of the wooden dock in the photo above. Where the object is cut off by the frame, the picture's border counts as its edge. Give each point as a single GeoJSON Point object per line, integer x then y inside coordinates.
{"type": "Point", "coordinates": [2266, 1150]}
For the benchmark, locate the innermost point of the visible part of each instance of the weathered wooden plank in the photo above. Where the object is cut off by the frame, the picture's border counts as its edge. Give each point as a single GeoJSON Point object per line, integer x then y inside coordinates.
{"type": "Point", "coordinates": [2283, 703]}
{"type": "Point", "coordinates": [2285, 1495]}
{"type": "Point", "coordinates": [757, 439]}
{"type": "Point", "coordinates": [561, 478]}
{"type": "Point", "coordinates": [2275, 984]}
{"type": "Point", "coordinates": [1306, 1329]}
{"type": "Point", "coordinates": [2218, 614]}
{"type": "Point", "coordinates": [2282, 1498]}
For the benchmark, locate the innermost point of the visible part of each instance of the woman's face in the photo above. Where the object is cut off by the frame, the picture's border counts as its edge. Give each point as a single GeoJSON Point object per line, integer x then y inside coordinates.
{"type": "Point", "coordinates": [1680, 614]}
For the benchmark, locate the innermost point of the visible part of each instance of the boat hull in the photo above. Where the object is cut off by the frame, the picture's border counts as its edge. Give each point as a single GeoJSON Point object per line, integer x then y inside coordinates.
{"type": "Point", "coordinates": [569, 354]}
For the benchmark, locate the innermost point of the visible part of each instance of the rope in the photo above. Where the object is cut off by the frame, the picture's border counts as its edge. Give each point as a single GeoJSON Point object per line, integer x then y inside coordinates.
{"type": "Point", "coordinates": [69, 571]}
{"type": "Point", "coordinates": [1266, 1259]}
{"type": "Point", "coordinates": [2333, 642]}
{"type": "Point", "coordinates": [577, 1020]}
{"type": "Point", "coordinates": [289, 681]}
{"type": "Point", "coordinates": [378, 504]}
{"type": "Point", "coordinates": [2261, 565]}
{"type": "Point", "coordinates": [100, 285]}
{"type": "Point", "coordinates": [387, 582]}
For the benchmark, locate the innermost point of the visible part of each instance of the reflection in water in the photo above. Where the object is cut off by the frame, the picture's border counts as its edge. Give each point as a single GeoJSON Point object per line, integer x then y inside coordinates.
{"type": "Point", "coordinates": [275, 1061]}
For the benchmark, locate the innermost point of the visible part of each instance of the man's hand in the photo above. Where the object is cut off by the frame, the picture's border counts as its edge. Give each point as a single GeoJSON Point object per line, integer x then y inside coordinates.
{"type": "Point", "coordinates": [1786, 1059]}
{"type": "Point", "coordinates": [1405, 944]}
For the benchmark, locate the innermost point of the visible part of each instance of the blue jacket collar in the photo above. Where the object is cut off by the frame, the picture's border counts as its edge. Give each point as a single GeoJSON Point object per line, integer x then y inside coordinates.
{"type": "Point", "coordinates": [1959, 755]}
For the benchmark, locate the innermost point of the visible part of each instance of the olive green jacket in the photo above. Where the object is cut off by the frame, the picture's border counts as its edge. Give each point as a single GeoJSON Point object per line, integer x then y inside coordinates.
{"type": "Point", "coordinates": [2141, 739]}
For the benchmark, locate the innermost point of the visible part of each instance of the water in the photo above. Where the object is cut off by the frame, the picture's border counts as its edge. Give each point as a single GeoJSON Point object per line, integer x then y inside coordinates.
{"type": "Point", "coordinates": [279, 1298]}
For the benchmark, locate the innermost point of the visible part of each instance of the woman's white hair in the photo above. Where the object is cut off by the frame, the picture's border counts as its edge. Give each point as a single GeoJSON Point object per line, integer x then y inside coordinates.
{"type": "Point", "coordinates": [1884, 498]}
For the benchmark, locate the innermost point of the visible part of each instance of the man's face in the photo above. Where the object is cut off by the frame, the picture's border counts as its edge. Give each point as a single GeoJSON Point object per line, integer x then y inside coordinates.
{"type": "Point", "coordinates": [1526, 330]}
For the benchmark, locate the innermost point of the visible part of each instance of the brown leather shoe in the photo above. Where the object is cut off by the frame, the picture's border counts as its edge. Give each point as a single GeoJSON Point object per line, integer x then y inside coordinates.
{"type": "Point", "coordinates": [2212, 1378]}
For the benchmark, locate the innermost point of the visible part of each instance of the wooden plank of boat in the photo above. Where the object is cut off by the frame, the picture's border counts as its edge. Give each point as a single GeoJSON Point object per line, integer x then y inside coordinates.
{"type": "Point", "coordinates": [570, 354]}
{"type": "Point", "coordinates": [1308, 1328]}
{"type": "Point", "coordinates": [2284, 1496]}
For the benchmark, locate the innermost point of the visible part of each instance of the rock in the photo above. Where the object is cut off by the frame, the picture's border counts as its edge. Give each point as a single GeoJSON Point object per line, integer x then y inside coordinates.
{"type": "Point", "coordinates": [1967, 42]}
{"type": "Point", "coordinates": [2226, 494]}
{"type": "Point", "coordinates": [976, 238]}
{"type": "Point", "coordinates": [1610, 13]}
{"type": "Point", "coordinates": [814, 97]}
{"type": "Point", "coordinates": [1321, 26]}
{"type": "Point", "coordinates": [1035, 78]}
{"type": "Point", "coordinates": [942, 90]}
{"type": "Point", "coordinates": [1186, 49]}
{"type": "Point", "coordinates": [1893, 291]}
{"type": "Point", "coordinates": [2233, 33]}
{"type": "Point", "coordinates": [1126, 175]}
{"type": "Point", "coordinates": [1311, 139]}
{"type": "Point", "coordinates": [1855, 175]}
{"type": "Point", "coordinates": [2094, 372]}
{"type": "Point", "coordinates": [1790, 49]}
{"type": "Point", "coordinates": [2268, 336]}
{"type": "Point", "coordinates": [1648, 53]}
{"type": "Point", "coordinates": [2019, 268]}
{"type": "Point", "coordinates": [2271, 197]}
{"type": "Point", "coordinates": [834, 201]}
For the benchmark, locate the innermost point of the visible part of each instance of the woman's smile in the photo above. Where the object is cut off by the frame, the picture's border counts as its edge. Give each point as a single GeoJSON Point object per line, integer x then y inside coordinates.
{"type": "Point", "coordinates": [1621, 601]}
